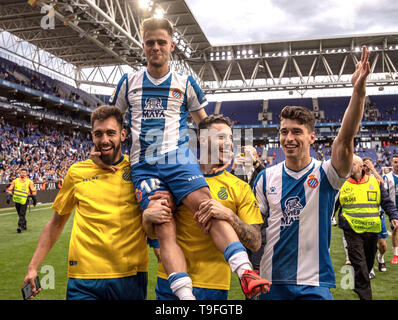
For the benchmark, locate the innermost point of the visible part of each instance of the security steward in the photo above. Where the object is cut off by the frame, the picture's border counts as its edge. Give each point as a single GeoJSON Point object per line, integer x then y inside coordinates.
{"type": "Point", "coordinates": [359, 217]}
{"type": "Point", "coordinates": [19, 191]}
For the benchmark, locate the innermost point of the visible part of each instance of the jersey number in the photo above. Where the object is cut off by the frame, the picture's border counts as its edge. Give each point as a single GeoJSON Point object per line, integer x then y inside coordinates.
{"type": "Point", "coordinates": [150, 185]}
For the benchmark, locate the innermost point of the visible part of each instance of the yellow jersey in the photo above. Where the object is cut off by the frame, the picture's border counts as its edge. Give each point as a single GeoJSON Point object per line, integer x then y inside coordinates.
{"type": "Point", "coordinates": [107, 239]}
{"type": "Point", "coordinates": [205, 263]}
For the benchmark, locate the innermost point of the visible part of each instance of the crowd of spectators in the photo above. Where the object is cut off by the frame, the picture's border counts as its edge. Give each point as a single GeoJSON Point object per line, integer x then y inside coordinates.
{"type": "Point", "coordinates": [46, 152]}
{"type": "Point", "coordinates": [26, 77]}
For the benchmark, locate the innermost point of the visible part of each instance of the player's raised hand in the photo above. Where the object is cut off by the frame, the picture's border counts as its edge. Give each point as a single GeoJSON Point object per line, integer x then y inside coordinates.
{"type": "Point", "coordinates": [95, 156]}
{"type": "Point", "coordinates": [362, 71]}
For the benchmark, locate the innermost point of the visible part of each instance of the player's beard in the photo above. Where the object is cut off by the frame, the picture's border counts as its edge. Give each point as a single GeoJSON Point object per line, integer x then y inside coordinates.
{"type": "Point", "coordinates": [111, 158]}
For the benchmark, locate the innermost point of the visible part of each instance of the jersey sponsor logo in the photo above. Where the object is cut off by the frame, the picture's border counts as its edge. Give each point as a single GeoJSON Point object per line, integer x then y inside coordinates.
{"type": "Point", "coordinates": [176, 93]}
{"type": "Point", "coordinates": [293, 209]}
{"type": "Point", "coordinates": [222, 194]}
{"type": "Point", "coordinates": [312, 181]}
{"type": "Point", "coordinates": [153, 109]}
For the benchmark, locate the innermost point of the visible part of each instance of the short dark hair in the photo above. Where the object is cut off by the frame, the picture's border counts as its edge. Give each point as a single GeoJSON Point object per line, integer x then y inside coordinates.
{"type": "Point", "coordinates": [301, 114]}
{"type": "Point", "coordinates": [214, 118]}
{"type": "Point", "coordinates": [105, 112]}
{"type": "Point", "coordinates": [367, 158]}
{"type": "Point", "coordinates": [151, 24]}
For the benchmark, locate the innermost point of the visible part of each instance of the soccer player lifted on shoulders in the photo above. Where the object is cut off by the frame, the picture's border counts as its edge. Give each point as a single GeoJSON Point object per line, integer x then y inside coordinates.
{"type": "Point", "coordinates": [298, 197]}
{"type": "Point", "coordinates": [156, 102]}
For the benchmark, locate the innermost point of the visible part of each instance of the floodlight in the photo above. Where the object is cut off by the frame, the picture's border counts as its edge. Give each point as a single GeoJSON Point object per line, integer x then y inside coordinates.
{"type": "Point", "coordinates": [158, 13]}
{"type": "Point", "coordinates": [144, 3]}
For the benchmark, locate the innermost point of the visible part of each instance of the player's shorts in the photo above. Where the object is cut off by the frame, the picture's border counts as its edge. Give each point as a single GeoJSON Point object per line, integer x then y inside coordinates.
{"type": "Point", "coordinates": [163, 292]}
{"type": "Point", "coordinates": [383, 234]}
{"type": "Point", "coordinates": [126, 288]}
{"type": "Point", "coordinates": [297, 292]}
{"type": "Point", "coordinates": [169, 173]}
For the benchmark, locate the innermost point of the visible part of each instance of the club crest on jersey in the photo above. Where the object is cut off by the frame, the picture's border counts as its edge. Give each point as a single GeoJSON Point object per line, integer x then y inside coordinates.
{"type": "Point", "coordinates": [292, 211]}
{"type": "Point", "coordinates": [126, 175]}
{"type": "Point", "coordinates": [176, 93]}
{"type": "Point", "coordinates": [222, 194]}
{"type": "Point", "coordinates": [138, 195]}
{"type": "Point", "coordinates": [153, 109]}
{"type": "Point", "coordinates": [312, 181]}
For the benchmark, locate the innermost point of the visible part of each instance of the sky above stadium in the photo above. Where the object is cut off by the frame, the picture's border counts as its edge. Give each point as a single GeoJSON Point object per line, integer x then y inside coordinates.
{"type": "Point", "coordinates": [237, 21]}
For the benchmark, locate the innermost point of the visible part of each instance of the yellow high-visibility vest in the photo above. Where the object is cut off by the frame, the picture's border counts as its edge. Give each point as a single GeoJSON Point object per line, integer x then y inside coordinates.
{"type": "Point", "coordinates": [21, 190]}
{"type": "Point", "coordinates": [360, 204]}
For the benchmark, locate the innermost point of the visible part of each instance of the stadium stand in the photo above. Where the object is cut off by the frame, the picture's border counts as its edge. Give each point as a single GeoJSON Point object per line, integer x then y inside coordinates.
{"type": "Point", "coordinates": [21, 75]}
{"type": "Point", "coordinates": [242, 112]}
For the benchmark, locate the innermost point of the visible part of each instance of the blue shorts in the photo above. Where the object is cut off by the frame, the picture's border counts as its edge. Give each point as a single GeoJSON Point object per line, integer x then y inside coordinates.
{"type": "Point", "coordinates": [296, 292]}
{"type": "Point", "coordinates": [383, 234]}
{"type": "Point", "coordinates": [167, 174]}
{"type": "Point", "coordinates": [127, 288]}
{"type": "Point", "coordinates": [163, 292]}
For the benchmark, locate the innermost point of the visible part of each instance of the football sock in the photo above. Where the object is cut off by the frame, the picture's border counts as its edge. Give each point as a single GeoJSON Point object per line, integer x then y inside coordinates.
{"type": "Point", "coordinates": [380, 258]}
{"type": "Point", "coordinates": [181, 285]}
{"type": "Point", "coordinates": [395, 251]}
{"type": "Point", "coordinates": [235, 254]}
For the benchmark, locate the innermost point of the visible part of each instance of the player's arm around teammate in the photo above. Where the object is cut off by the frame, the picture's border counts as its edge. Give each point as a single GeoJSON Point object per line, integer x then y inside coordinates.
{"type": "Point", "coordinates": [343, 145]}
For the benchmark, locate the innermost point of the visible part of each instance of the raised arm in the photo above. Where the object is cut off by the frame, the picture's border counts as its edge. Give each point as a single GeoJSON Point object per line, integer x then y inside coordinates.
{"type": "Point", "coordinates": [343, 145]}
{"type": "Point", "coordinates": [198, 115]}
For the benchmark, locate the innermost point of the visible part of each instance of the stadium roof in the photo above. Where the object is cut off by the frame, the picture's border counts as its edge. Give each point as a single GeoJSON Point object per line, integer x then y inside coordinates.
{"type": "Point", "coordinates": [97, 33]}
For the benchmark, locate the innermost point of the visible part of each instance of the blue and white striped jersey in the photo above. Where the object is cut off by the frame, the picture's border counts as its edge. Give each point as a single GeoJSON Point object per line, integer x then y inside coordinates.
{"type": "Point", "coordinates": [298, 207]}
{"type": "Point", "coordinates": [157, 110]}
{"type": "Point", "coordinates": [391, 185]}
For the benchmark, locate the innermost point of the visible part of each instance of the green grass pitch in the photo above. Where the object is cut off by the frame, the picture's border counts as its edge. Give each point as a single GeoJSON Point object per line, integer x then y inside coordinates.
{"type": "Point", "coordinates": [16, 251]}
